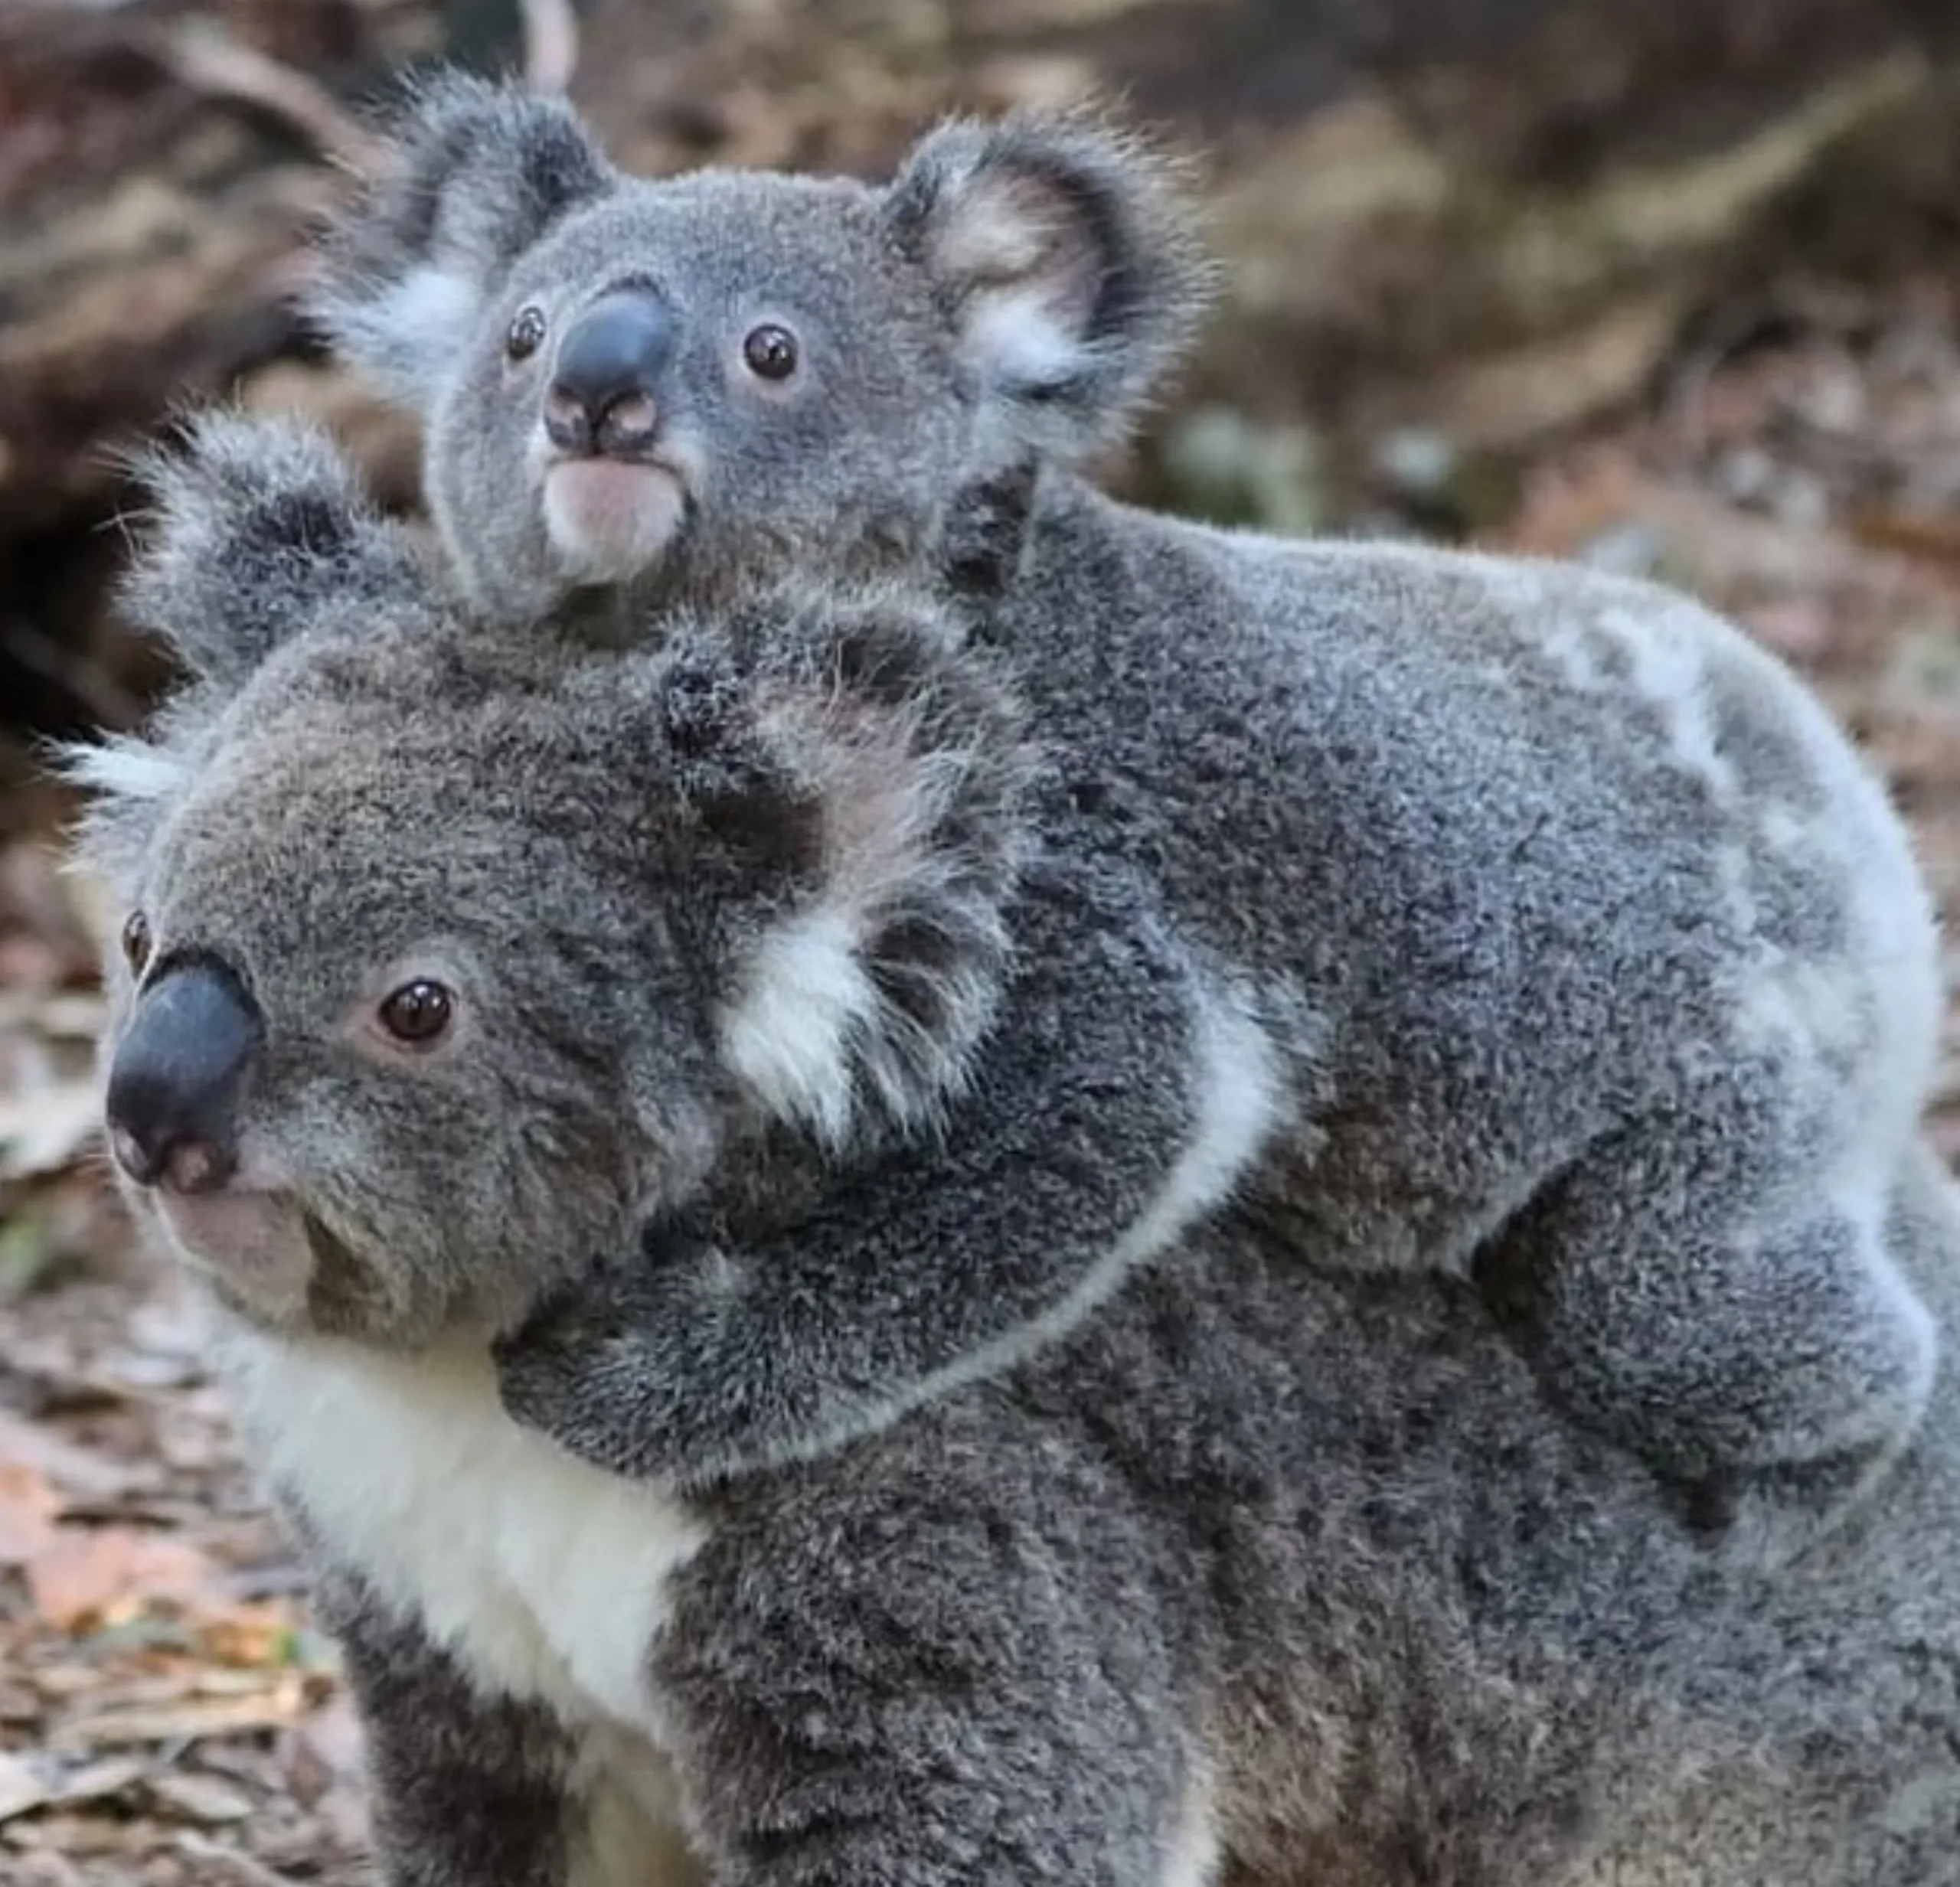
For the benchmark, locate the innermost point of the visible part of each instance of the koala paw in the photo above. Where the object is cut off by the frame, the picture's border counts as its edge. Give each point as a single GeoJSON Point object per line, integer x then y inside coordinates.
{"type": "Point", "coordinates": [658, 1373]}
{"type": "Point", "coordinates": [572, 1372]}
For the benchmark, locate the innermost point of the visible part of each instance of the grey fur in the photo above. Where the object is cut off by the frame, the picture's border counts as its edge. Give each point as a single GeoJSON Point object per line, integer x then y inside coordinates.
{"type": "Point", "coordinates": [1597, 964]}
{"type": "Point", "coordinates": [1251, 1568]}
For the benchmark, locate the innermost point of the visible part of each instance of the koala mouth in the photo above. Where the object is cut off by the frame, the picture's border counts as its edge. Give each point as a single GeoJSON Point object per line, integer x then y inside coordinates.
{"type": "Point", "coordinates": [610, 520]}
{"type": "Point", "coordinates": [271, 1260]}
{"type": "Point", "coordinates": [254, 1244]}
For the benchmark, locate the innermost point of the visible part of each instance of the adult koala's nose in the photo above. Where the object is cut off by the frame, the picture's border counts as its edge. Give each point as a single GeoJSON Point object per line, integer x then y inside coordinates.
{"type": "Point", "coordinates": [605, 381]}
{"type": "Point", "coordinates": [177, 1077]}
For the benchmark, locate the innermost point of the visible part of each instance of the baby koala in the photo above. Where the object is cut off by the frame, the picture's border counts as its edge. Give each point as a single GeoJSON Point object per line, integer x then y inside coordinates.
{"type": "Point", "coordinates": [1593, 962]}
{"type": "Point", "coordinates": [900, 1091]}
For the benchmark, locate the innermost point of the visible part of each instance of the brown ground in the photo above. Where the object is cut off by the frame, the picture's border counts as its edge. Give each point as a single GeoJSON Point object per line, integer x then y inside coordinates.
{"type": "Point", "coordinates": [167, 1716]}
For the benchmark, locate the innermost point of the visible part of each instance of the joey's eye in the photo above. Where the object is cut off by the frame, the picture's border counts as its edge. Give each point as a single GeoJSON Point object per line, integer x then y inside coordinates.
{"type": "Point", "coordinates": [136, 942]}
{"type": "Point", "coordinates": [525, 335]}
{"type": "Point", "coordinates": [419, 1013]}
{"type": "Point", "coordinates": [770, 351]}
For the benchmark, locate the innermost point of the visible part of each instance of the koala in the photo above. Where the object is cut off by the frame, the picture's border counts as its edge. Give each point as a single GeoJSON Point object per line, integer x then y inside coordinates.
{"type": "Point", "coordinates": [442, 953]}
{"type": "Point", "coordinates": [1593, 963]}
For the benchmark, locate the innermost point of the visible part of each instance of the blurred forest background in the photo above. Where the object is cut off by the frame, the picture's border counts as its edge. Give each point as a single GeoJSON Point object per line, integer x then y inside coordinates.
{"type": "Point", "coordinates": [1674, 287]}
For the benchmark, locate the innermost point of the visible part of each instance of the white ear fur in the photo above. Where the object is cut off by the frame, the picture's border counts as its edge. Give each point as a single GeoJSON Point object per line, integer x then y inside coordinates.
{"type": "Point", "coordinates": [120, 768]}
{"type": "Point", "coordinates": [126, 777]}
{"type": "Point", "coordinates": [808, 1030]}
{"type": "Point", "coordinates": [1016, 340]}
{"type": "Point", "coordinates": [424, 318]}
{"type": "Point", "coordinates": [1032, 281]}
{"type": "Point", "coordinates": [787, 1037]}
{"type": "Point", "coordinates": [1062, 252]}
{"type": "Point", "coordinates": [864, 1004]}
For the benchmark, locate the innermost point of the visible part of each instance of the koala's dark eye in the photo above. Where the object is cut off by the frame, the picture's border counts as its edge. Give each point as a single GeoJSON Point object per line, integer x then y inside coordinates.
{"type": "Point", "coordinates": [525, 335]}
{"type": "Point", "coordinates": [419, 1012]}
{"type": "Point", "coordinates": [136, 942]}
{"type": "Point", "coordinates": [770, 351]}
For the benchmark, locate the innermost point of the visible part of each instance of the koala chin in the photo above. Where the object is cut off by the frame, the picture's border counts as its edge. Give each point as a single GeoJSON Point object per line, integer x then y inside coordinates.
{"type": "Point", "coordinates": [609, 524]}
{"type": "Point", "coordinates": [1593, 964]}
{"type": "Point", "coordinates": [906, 1446]}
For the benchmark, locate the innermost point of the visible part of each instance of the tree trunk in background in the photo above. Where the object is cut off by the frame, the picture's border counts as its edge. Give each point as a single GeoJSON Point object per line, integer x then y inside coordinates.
{"type": "Point", "coordinates": [1492, 217]}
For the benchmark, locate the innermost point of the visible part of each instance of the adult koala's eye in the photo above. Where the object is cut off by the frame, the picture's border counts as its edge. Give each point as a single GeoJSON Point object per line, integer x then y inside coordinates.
{"type": "Point", "coordinates": [136, 942]}
{"type": "Point", "coordinates": [525, 335]}
{"type": "Point", "coordinates": [770, 351]}
{"type": "Point", "coordinates": [419, 1013]}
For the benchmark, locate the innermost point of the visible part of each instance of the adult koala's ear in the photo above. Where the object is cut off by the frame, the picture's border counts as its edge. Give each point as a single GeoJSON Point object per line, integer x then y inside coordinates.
{"type": "Point", "coordinates": [1065, 255]}
{"type": "Point", "coordinates": [260, 528]}
{"type": "Point", "coordinates": [861, 781]}
{"type": "Point", "coordinates": [478, 172]}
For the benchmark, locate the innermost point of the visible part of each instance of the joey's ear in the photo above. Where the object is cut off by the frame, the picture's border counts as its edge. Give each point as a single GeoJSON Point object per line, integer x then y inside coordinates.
{"type": "Point", "coordinates": [477, 172]}
{"type": "Point", "coordinates": [260, 526]}
{"type": "Point", "coordinates": [1064, 253]}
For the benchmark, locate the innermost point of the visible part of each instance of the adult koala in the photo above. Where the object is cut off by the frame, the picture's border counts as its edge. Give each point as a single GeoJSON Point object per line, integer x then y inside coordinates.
{"type": "Point", "coordinates": [1230, 1568]}
{"type": "Point", "coordinates": [1593, 960]}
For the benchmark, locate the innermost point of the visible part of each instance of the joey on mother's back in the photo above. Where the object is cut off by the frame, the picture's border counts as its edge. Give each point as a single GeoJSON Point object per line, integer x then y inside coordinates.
{"type": "Point", "coordinates": [1593, 960]}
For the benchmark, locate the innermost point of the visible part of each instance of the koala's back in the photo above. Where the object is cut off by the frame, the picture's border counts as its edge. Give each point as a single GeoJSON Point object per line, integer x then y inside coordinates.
{"type": "Point", "coordinates": [1552, 836]}
{"type": "Point", "coordinates": [1422, 1630]}
{"type": "Point", "coordinates": [1417, 1629]}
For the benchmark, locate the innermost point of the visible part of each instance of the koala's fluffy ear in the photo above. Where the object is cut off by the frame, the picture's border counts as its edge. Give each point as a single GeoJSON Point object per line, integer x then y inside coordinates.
{"type": "Point", "coordinates": [1064, 253]}
{"type": "Point", "coordinates": [259, 526]}
{"type": "Point", "coordinates": [478, 171]}
{"type": "Point", "coordinates": [862, 778]}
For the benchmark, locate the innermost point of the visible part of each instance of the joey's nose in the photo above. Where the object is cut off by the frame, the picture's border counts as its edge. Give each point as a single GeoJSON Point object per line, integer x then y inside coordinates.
{"type": "Point", "coordinates": [605, 384]}
{"type": "Point", "coordinates": [178, 1076]}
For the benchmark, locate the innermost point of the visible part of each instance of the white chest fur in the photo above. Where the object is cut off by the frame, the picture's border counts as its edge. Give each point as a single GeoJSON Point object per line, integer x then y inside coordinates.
{"type": "Point", "coordinates": [546, 1577]}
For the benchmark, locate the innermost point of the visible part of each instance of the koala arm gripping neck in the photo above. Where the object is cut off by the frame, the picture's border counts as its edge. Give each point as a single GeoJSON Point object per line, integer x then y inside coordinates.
{"type": "Point", "coordinates": [1120, 1097]}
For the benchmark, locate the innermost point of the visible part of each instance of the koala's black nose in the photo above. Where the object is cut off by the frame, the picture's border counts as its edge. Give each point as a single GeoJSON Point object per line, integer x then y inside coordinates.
{"type": "Point", "coordinates": [605, 384]}
{"type": "Point", "coordinates": [178, 1076]}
